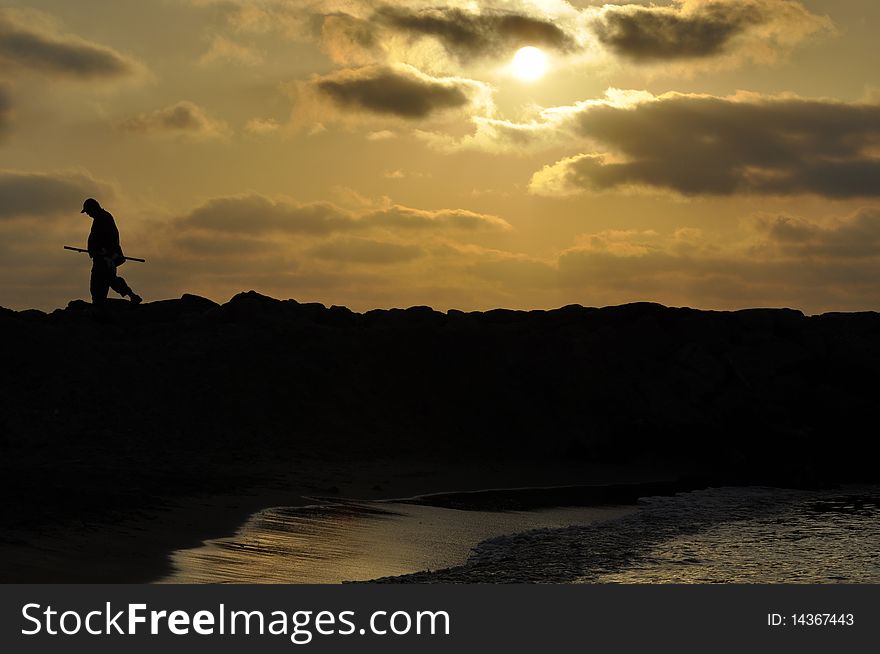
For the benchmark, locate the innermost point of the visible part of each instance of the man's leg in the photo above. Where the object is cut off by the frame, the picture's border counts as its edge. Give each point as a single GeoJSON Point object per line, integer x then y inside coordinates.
{"type": "Point", "coordinates": [118, 284]}
{"type": "Point", "coordinates": [100, 281]}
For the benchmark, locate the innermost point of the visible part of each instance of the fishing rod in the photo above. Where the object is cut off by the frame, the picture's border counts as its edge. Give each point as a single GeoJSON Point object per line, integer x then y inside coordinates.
{"type": "Point", "coordinates": [67, 247]}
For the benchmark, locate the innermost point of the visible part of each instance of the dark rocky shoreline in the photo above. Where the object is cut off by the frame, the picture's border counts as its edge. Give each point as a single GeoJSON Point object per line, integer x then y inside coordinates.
{"type": "Point", "coordinates": [183, 396]}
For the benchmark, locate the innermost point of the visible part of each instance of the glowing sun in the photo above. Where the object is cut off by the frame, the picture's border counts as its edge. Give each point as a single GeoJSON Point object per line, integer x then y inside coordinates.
{"type": "Point", "coordinates": [529, 64]}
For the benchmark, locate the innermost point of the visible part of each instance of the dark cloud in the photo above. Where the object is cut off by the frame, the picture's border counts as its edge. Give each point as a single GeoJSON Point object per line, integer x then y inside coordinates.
{"type": "Point", "coordinates": [704, 145]}
{"type": "Point", "coordinates": [5, 110]}
{"type": "Point", "coordinates": [854, 237]}
{"type": "Point", "coordinates": [361, 32]}
{"type": "Point", "coordinates": [702, 29]}
{"type": "Point", "coordinates": [467, 35]}
{"type": "Point", "coordinates": [182, 119]}
{"type": "Point", "coordinates": [400, 91]}
{"type": "Point", "coordinates": [22, 45]}
{"type": "Point", "coordinates": [661, 33]}
{"type": "Point", "coordinates": [254, 215]}
{"type": "Point", "coordinates": [39, 195]}
{"type": "Point", "coordinates": [368, 251]}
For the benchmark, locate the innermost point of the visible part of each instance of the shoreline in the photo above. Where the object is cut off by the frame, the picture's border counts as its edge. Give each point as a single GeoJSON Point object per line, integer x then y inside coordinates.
{"type": "Point", "coordinates": [139, 549]}
{"type": "Point", "coordinates": [721, 534]}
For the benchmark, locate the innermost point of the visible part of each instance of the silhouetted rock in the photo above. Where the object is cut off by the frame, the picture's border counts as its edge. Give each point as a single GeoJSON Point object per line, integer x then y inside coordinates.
{"type": "Point", "coordinates": [160, 390]}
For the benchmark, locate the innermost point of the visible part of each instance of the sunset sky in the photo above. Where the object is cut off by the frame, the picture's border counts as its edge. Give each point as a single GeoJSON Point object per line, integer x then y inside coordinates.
{"type": "Point", "coordinates": [718, 154]}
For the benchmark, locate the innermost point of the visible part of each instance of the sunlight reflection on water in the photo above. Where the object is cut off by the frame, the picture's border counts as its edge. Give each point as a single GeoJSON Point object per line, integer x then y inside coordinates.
{"type": "Point", "coordinates": [358, 541]}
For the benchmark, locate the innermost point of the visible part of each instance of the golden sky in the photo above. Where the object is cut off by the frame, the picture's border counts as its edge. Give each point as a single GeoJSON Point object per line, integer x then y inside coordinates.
{"type": "Point", "coordinates": [710, 153]}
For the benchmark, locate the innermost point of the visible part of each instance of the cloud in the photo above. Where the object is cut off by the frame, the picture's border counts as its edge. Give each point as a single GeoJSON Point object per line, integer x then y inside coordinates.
{"type": "Point", "coordinates": [381, 135]}
{"type": "Point", "coordinates": [400, 91]}
{"type": "Point", "coordinates": [225, 50]}
{"type": "Point", "coordinates": [398, 174]}
{"type": "Point", "coordinates": [500, 136]}
{"type": "Point", "coordinates": [366, 251]}
{"type": "Point", "coordinates": [849, 238]}
{"type": "Point", "coordinates": [184, 119]}
{"type": "Point", "coordinates": [262, 126]}
{"type": "Point", "coordinates": [440, 36]}
{"type": "Point", "coordinates": [651, 32]}
{"type": "Point", "coordinates": [391, 253]}
{"type": "Point", "coordinates": [699, 29]}
{"type": "Point", "coordinates": [708, 145]}
{"type": "Point", "coordinates": [231, 247]}
{"type": "Point", "coordinates": [31, 41]}
{"type": "Point", "coordinates": [773, 261]}
{"type": "Point", "coordinates": [5, 110]}
{"type": "Point", "coordinates": [254, 215]}
{"type": "Point", "coordinates": [47, 195]}
{"type": "Point", "coordinates": [362, 32]}
{"type": "Point", "coordinates": [469, 34]}
{"type": "Point", "coordinates": [404, 218]}
{"type": "Point", "coordinates": [350, 41]}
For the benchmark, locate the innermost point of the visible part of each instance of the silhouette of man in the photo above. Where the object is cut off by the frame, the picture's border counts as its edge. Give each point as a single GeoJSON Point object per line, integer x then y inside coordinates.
{"type": "Point", "coordinates": [106, 254]}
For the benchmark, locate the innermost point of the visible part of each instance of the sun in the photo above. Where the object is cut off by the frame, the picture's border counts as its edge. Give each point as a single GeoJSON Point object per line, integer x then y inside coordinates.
{"type": "Point", "coordinates": [529, 64]}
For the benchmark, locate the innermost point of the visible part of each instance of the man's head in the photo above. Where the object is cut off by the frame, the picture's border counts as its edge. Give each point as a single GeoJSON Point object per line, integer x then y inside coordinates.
{"type": "Point", "coordinates": [91, 207]}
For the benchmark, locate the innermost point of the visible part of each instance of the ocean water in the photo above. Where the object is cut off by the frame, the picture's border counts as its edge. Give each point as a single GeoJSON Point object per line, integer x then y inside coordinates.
{"type": "Point", "coordinates": [828, 537]}
{"type": "Point", "coordinates": [719, 535]}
